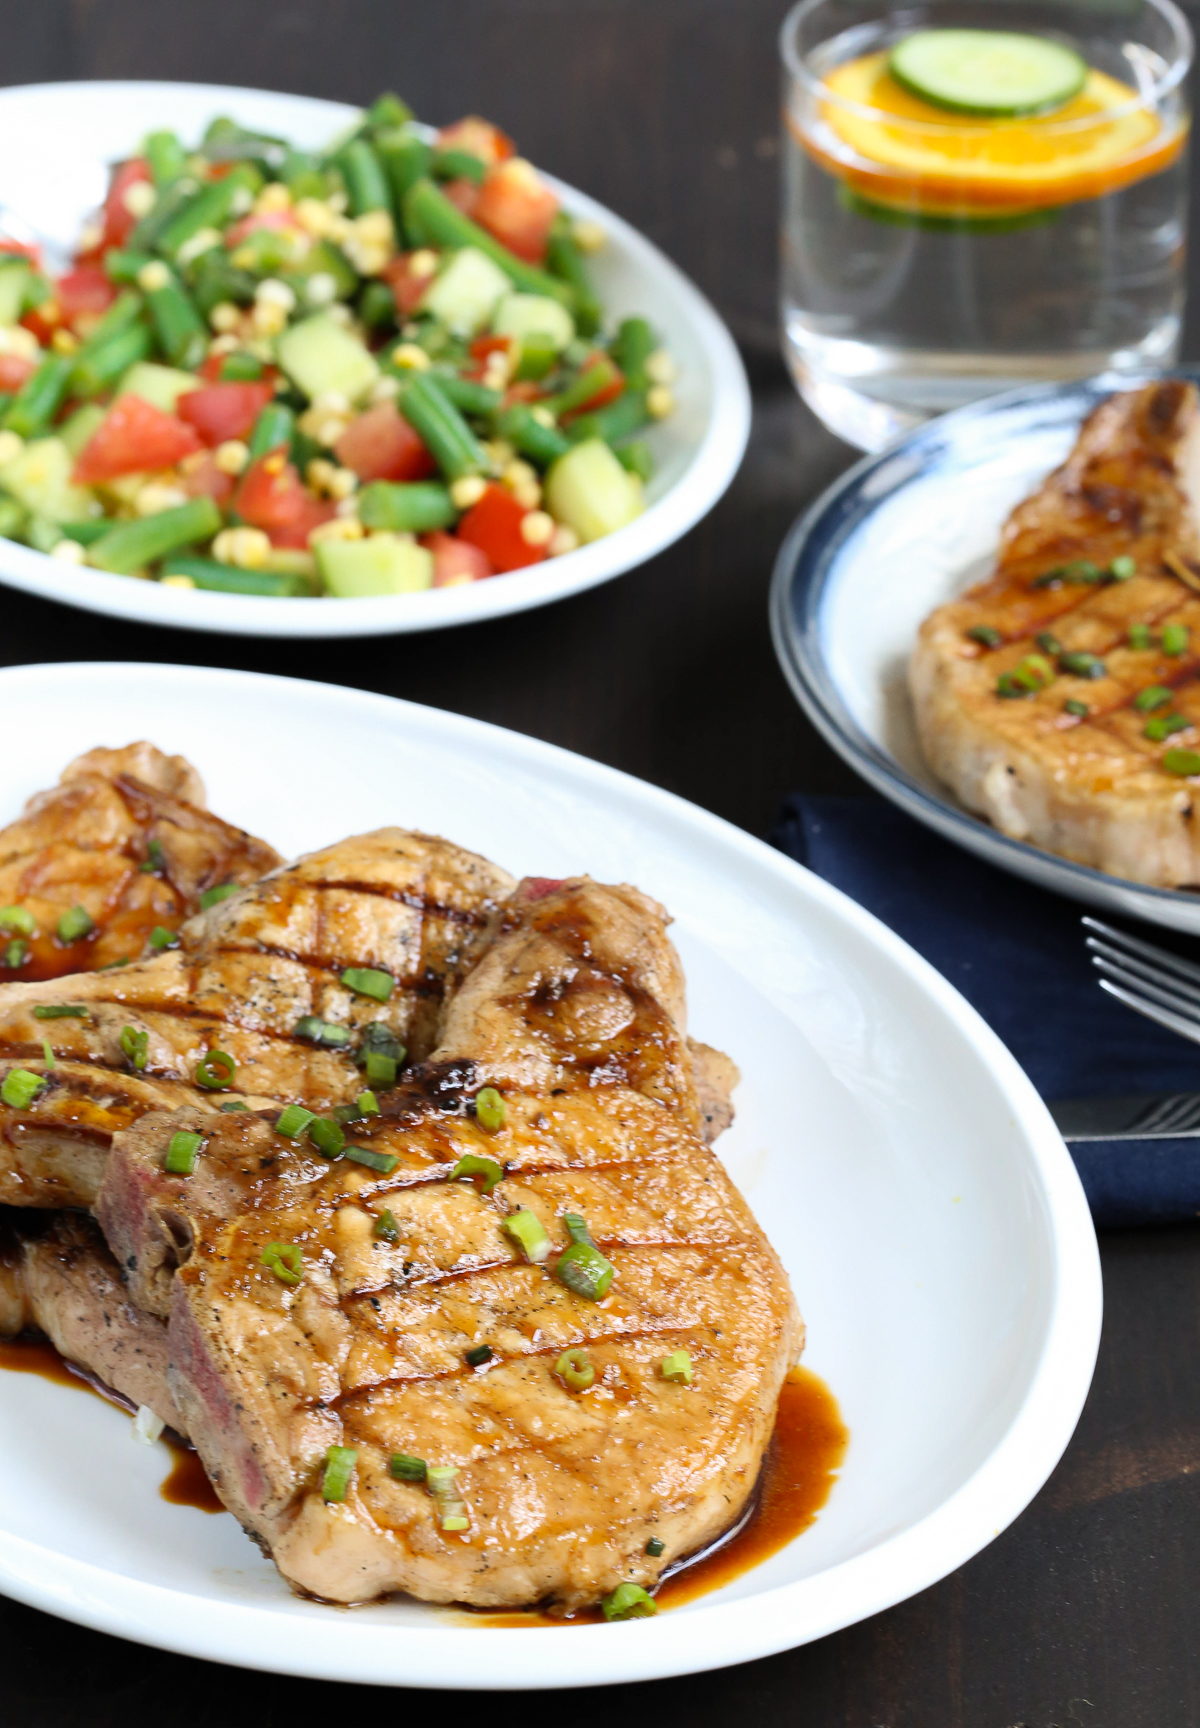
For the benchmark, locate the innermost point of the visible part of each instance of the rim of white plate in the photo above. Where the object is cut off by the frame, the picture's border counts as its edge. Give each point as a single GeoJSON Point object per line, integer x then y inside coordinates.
{"type": "Point", "coordinates": [705, 480]}
{"type": "Point", "coordinates": [702, 1637]}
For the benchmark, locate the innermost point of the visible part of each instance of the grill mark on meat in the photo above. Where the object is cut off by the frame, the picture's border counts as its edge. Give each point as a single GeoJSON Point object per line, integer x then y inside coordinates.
{"type": "Point", "coordinates": [429, 908]}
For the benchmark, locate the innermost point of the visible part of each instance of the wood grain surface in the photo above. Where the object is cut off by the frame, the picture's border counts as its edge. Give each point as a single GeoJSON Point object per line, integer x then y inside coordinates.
{"type": "Point", "coordinates": [1084, 1613]}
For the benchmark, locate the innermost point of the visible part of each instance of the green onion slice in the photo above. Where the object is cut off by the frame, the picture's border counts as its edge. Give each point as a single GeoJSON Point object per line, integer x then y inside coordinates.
{"type": "Point", "coordinates": [135, 1045]}
{"type": "Point", "coordinates": [235, 1104]}
{"type": "Point", "coordinates": [386, 1227]}
{"type": "Point", "coordinates": [628, 1602]}
{"type": "Point", "coordinates": [182, 1152]}
{"type": "Point", "coordinates": [155, 862]}
{"type": "Point", "coordinates": [292, 1120]}
{"type": "Point", "coordinates": [48, 1056]}
{"type": "Point", "coordinates": [1139, 637]}
{"type": "Point", "coordinates": [161, 939]}
{"type": "Point", "coordinates": [339, 1468]}
{"type": "Point", "coordinates": [655, 1547]}
{"type": "Point", "coordinates": [384, 1162]}
{"type": "Point", "coordinates": [328, 1137]}
{"type": "Point", "coordinates": [367, 1104]}
{"type": "Point", "coordinates": [20, 1088]}
{"type": "Point", "coordinates": [1154, 696]}
{"type": "Point", "coordinates": [1174, 639]}
{"type": "Point", "coordinates": [1162, 726]}
{"type": "Point", "coordinates": [1182, 762]}
{"type": "Point", "coordinates": [1073, 706]}
{"type": "Point", "coordinates": [442, 1482]}
{"type": "Point", "coordinates": [1083, 665]}
{"type": "Point", "coordinates": [215, 1073]}
{"type": "Point", "coordinates": [985, 634]}
{"type": "Point", "coordinates": [575, 1370]}
{"type": "Point", "coordinates": [469, 1167]}
{"type": "Point", "coordinates": [677, 1367]}
{"type": "Point", "coordinates": [314, 1030]}
{"type": "Point", "coordinates": [1122, 567]}
{"type": "Point", "coordinates": [214, 896]}
{"type": "Point", "coordinates": [60, 1011]}
{"type": "Point", "coordinates": [582, 1267]}
{"type": "Point", "coordinates": [478, 1355]}
{"type": "Point", "coordinates": [380, 1070]}
{"type": "Point", "coordinates": [489, 1109]}
{"type": "Point", "coordinates": [15, 952]}
{"type": "Point", "coordinates": [528, 1232]}
{"type": "Point", "coordinates": [286, 1260]}
{"type": "Point", "coordinates": [369, 981]}
{"type": "Point", "coordinates": [74, 925]}
{"type": "Point", "coordinates": [17, 918]}
{"type": "Point", "coordinates": [405, 1468]}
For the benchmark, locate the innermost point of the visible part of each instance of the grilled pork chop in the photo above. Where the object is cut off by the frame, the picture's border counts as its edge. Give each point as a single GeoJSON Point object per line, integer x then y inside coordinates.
{"type": "Point", "coordinates": [383, 1307]}
{"type": "Point", "coordinates": [1059, 697]}
{"type": "Point", "coordinates": [246, 974]}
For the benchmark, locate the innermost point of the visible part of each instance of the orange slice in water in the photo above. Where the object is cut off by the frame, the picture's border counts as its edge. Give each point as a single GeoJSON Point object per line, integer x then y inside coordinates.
{"type": "Point", "coordinates": [931, 162]}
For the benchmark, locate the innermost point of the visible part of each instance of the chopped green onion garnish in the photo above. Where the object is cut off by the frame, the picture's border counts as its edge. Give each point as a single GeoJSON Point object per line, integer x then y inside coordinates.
{"type": "Point", "coordinates": [346, 1114]}
{"type": "Point", "coordinates": [1182, 762]}
{"type": "Point", "coordinates": [386, 1227]}
{"type": "Point", "coordinates": [60, 1011]}
{"type": "Point", "coordinates": [135, 1045]}
{"type": "Point", "coordinates": [582, 1267]}
{"type": "Point", "coordinates": [442, 1482]}
{"type": "Point", "coordinates": [1083, 665]}
{"type": "Point", "coordinates": [368, 1104]}
{"type": "Point", "coordinates": [1155, 696]}
{"type": "Point", "coordinates": [380, 1070]}
{"type": "Point", "coordinates": [628, 1602]}
{"type": "Point", "coordinates": [1031, 674]}
{"type": "Point", "coordinates": [286, 1260]}
{"type": "Point", "coordinates": [1073, 706]}
{"type": "Point", "coordinates": [214, 896]}
{"type": "Point", "coordinates": [235, 1104]}
{"type": "Point", "coordinates": [1163, 725]}
{"type": "Point", "coordinates": [985, 634]}
{"type": "Point", "coordinates": [328, 1137]}
{"type": "Point", "coordinates": [20, 1088]}
{"type": "Point", "coordinates": [339, 1468]}
{"type": "Point", "coordinates": [17, 918]}
{"type": "Point", "coordinates": [369, 981]}
{"type": "Point", "coordinates": [72, 926]}
{"type": "Point", "coordinates": [489, 1109]}
{"type": "Point", "coordinates": [574, 1370]}
{"type": "Point", "coordinates": [678, 1367]}
{"type": "Point", "coordinates": [161, 939]}
{"type": "Point", "coordinates": [317, 1031]}
{"type": "Point", "coordinates": [292, 1120]}
{"type": "Point", "coordinates": [655, 1547]}
{"type": "Point", "coordinates": [215, 1073]}
{"type": "Point", "coordinates": [384, 1162]}
{"type": "Point", "coordinates": [182, 1153]}
{"type": "Point", "coordinates": [1048, 642]}
{"type": "Point", "coordinates": [527, 1231]}
{"type": "Point", "coordinates": [1122, 567]}
{"type": "Point", "coordinates": [380, 1052]}
{"type": "Point", "coordinates": [155, 862]}
{"type": "Point", "coordinates": [15, 952]}
{"type": "Point", "coordinates": [1174, 639]}
{"type": "Point", "coordinates": [476, 1357]}
{"type": "Point", "coordinates": [1139, 637]}
{"type": "Point", "coordinates": [406, 1468]}
{"type": "Point", "coordinates": [469, 1166]}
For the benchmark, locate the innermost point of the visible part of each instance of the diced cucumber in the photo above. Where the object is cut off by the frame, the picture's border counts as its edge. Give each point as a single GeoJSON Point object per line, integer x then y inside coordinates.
{"type": "Point", "coordinates": [15, 276]}
{"type": "Point", "coordinates": [161, 386]}
{"type": "Point", "coordinates": [380, 564]}
{"type": "Point", "coordinates": [76, 431]}
{"type": "Point", "coordinates": [39, 477]}
{"type": "Point", "coordinates": [467, 292]}
{"type": "Point", "coordinates": [320, 357]}
{"type": "Point", "coordinates": [523, 315]}
{"type": "Point", "coordinates": [589, 491]}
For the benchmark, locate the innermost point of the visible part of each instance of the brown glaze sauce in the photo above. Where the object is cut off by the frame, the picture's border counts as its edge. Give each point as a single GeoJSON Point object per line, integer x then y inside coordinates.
{"type": "Point", "coordinates": [187, 1485]}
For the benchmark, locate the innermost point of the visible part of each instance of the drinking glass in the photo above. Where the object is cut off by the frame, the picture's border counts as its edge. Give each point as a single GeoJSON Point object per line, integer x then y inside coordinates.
{"type": "Point", "coordinates": [933, 258]}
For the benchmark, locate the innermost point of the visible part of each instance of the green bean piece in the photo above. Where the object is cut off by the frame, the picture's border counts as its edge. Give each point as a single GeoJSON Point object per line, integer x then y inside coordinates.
{"type": "Point", "coordinates": [216, 278]}
{"type": "Point", "coordinates": [218, 578]}
{"type": "Point", "coordinates": [388, 110]}
{"type": "Point", "coordinates": [469, 396]}
{"type": "Point", "coordinates": [584, 387]}
{"type": "Point", "coordinates": [458, 165]}
{"type": "Point", "coordinates": [170, 204]}
{"type": "Point", "coordinates": [182, 333]}
{"type": "Point", "coordinates": [542, 444]}
{"type": "Point", "coordinates": [123, 266]}
{"type": "Point", "coordinates": [636, 458]}
{"type": "Point", "coordinates": [41, 533]}
{"type": "Point", "coordinates": [616, 420]}
{"type": "Point", "coordinates": [366, 181]}
{"type": "Point", "coordinates": [40, 397]}
{"type": "Point", "coordinates": [94, 372]}
{"type": "Point", "coordinates": [241, 368]}
{"type": "Point", "coordinates": [632, 346]}
{"type": "Point", "coordinates": [130, 546]}
{"type": "Point", "coordinates": [125, 310]}
{"type": "Point", "coordinates": [166, 156]}
{"type": "Point", "coordinates": [87, 533]}
{"type": "Point", "coordinates": [211, 207]}
{"type": "Point", "coordinates": [301, 174]}
{"type": "Point", "coordinates": [12, 519]}
{"type": "Point", "coordinates": [433, 220]}
{"type": "Point", "coordinates": [405, 506]}
{"type": "Point", "coordinates": [273, 428]}
{"type": "Point", "coordinates": [405, 159]}
{"type": "Point", "coordinates": [565, 260]}
{"type": "Point", "coordinates": [323, 259]}
{"type": "Point", "coordinates": [377, 306]}
{"type": "Point", "coordinates": [451, 442]}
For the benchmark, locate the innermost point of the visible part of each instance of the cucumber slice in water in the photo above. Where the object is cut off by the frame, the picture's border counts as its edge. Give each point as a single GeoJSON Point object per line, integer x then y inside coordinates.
{"type": "Point", "coordinates": [994, 74]}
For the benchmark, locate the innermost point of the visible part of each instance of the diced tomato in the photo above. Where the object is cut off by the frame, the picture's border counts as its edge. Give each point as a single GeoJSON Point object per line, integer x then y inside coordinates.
{"type": "Point", "coordinates": [481, 347]}
{"type": "Point", "coordinates": [381, 445]}
{"type": "Point", "coordinates": [277, 220]}
{"type": "Point", "coordinates": [14, 369]}
{"type": "Point", "coordinates": [517, 206]}
{"type": "Point", "coordinates": [494, 525]}
{"type": "Point", "coordinates": [120, 222]}
{"type": "Point", "coordinates": [84, 292]}
{"type": "Point", "coordinates": [523, 390]}
{"type": "Point", "coordinates": [456, 561]}
{"type": "Point", "coordinates": [604, 393]}
{"type": "Point", "coordinates": [273, 497]}
{"type": "Point", "coordinates": [200, 477]}
{"type": "Point", "coordinates": [43, 321]}
{"type": "Point", "coordinates": [463, 194]}
{"type": "Point", "coordinates": [33, 253]}
{"type": "Point", "coordinates": [133, 436]}
{"type": "Point", "coordinates": [477, 138]}
{"type": "Point", "coordinates": [407, 285]}
{"type": "Point", "coordinates": [223, 411]}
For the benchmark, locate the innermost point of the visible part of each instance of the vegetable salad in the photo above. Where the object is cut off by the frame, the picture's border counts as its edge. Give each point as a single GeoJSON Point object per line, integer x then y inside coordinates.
{"type": "Point", "coordinates": [372, 370]}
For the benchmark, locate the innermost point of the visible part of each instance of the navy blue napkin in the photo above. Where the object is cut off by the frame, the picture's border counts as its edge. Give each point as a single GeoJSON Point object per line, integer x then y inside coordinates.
{"type": "Point", "coordinates": [1016, 953]}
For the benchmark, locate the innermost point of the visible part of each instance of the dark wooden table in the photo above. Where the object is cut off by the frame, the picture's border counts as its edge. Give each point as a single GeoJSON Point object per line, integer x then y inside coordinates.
{"type": "Point", "coordinates": [1082, 1613]}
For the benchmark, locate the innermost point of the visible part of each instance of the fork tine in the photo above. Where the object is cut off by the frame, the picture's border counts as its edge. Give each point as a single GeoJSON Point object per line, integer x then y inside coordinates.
{"type": "Point", "coordinates": [1164, 1016]}
{"type": "Point", "coordinates": [1152, 989]}
{"type": "Point", "coordinates": [1124, 967]}
{"type": "Point", "coordinates": [1146, 950]}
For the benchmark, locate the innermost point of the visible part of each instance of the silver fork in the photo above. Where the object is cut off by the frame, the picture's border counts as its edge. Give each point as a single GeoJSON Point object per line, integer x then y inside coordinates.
{"type": "Point", "coordinates": [1149, 979]}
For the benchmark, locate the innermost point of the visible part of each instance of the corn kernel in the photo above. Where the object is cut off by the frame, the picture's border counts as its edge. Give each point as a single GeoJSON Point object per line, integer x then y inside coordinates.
{"type": "Point", "coordinates": [158, 495]}
{"type": "Point", "coordinates": [543, 415]}
{"type": "Point", "coordinates": [517, 473]}
{"type": "Point", "coordinates": [343, 483]}
{"type": "Point", "coordinates": [562, 540]}
{"type": "Point", "coordinates": [338, 202]}
{"type": "Point", "coordinates": [153, 276]}
{"type": "Point", "coordinates": [386, 390]}
{"type": "Point", "coordinates": [347, 506]}
{"type": "Point", "coordinates": [528, 494]}
{"type": "Point", "coordinates": [411, 357]}
{"type": "Point", "coordinates": [273, 199]}
{"type": "Point", "coordinates": [15, 339]}
{"type": "Point", "coordinates": [226, 344]}
{"type": "Point", "coordinates": [11, 446]}
{"type": "Point", "coordinates": [659, 402]}
{"type": "Point", "coordinates": [341, 528]}
{"type": "Point", "coordinates": [248, 548]}
{"type": "Point", "coordinates": [332, 401]}
{"type": "Point", "coordinates": [203, 240]}
{"type": "Point", "coordinates": [319, 473]}
{"type": "Point", "coordinates": [176, 582]}
{"type": "Point", "coordinates": [320, 289]}
{"type": "Point", "coordinates": [64, 342]}
{"type": "Point", "coordinates": [242, 202]}
{"type": "Point", "coordinates": [660, 367]}
{"type": "Point", "coordinates": [314, 216]}
{"type": "Point", "coordinates": [90, 237]}
{"type": "Point", "coordinates": [588, 236]}
{"type": "Point", "coordinates": [268, 318]}
{"type": "Point", "coordinates": [232, 456]}
{"type": "Point", "coordinates": [341, 314]}
{"type": "Point", "coordinates": [272, 292]}
{"type": "Point", "coordinates": [225, 316]}
{"type": "Point", "coordinates": [322, 426]}
{"type": "Point", "coordinates": [140, 199]}
{"type": "Point", "coordinates": [68, 552]}
{"type": "Point", "coordinates": [537, 529]}
{"type": "Point", "coordinates": [422, 262]}
{"type": "Point", "coordinates": [467, 491]}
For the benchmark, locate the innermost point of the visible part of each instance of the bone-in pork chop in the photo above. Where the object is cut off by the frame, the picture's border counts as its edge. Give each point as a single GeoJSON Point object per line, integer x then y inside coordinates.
{"type": "Point", "coordinates": [272, 978]}
{"type": "Point", "coordinates": [412, 1312]}
{"type": "Point", "coordinates": [1059, 698]}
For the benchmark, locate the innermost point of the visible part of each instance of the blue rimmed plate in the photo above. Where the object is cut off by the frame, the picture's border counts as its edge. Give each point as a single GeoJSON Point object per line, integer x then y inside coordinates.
{"type": "Point", "coordinates": [897, 535]}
